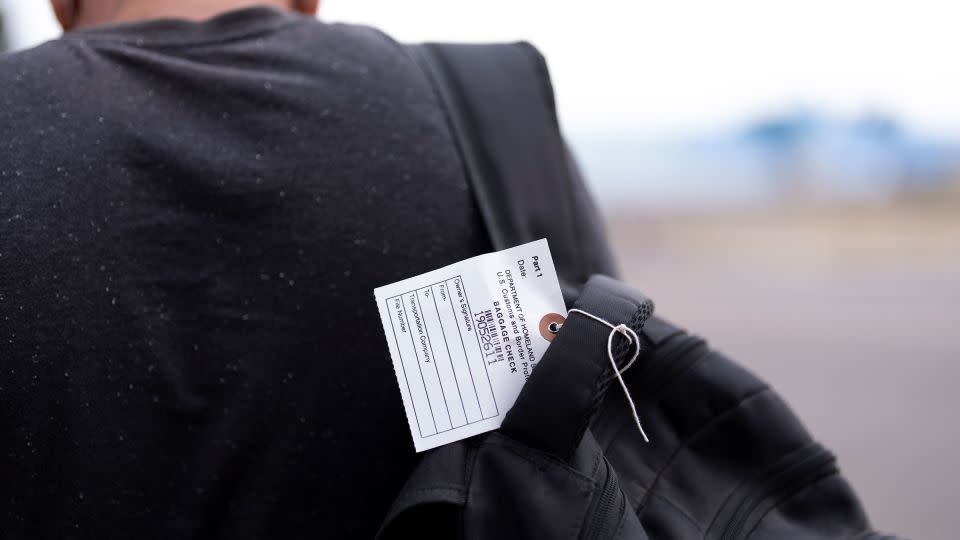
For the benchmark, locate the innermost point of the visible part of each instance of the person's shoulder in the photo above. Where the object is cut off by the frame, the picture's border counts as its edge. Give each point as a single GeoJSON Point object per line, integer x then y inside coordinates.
{"type": "Point", "coordinates": [32, 81]}
{"type": "Point", "coordinates": [47, 49]}
{"type": "Point", "coordinates": [349, 35]}
{"type": "Point", "coordinates": [42, 64]}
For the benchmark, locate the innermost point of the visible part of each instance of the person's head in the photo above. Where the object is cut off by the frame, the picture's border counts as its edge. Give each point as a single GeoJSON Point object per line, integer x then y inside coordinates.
{"type": "Point", "coordinates": [79, 13]}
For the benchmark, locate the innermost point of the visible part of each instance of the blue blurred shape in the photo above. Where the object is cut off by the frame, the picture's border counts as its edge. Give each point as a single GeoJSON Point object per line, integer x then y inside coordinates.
{"type": "Point", "coordinates": [796, 156]}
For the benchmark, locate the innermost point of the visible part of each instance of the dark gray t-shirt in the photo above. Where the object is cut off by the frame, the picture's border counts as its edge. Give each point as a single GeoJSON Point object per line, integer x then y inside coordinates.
{"type": "Point", "coordinates": [193, 217]}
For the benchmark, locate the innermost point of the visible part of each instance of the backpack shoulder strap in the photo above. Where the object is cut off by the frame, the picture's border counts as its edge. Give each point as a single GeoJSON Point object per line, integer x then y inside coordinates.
{"type": "Point", "coordinates": [500, 107]}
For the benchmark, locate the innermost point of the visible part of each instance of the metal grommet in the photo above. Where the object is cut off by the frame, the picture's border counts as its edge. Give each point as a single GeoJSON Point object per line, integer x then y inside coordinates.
{"type": "Point", "coordinates": [550, 324]}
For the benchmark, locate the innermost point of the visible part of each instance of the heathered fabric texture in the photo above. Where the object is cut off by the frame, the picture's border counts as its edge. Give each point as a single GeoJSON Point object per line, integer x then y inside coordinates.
{"type": "Point", "coordinates": [193, 217]}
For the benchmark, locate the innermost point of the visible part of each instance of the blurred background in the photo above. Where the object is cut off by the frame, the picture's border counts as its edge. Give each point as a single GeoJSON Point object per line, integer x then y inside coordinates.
{"type": "Point", "coordinates": [783, 178]}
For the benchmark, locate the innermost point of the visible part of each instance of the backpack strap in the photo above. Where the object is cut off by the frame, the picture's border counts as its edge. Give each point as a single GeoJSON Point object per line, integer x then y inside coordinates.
{"type": "Point", "coordinates": [565, 390]}
{"type": "Point", "coordinates": [537, 475]}
{"type": "Point", "coordinates": [501, 111]}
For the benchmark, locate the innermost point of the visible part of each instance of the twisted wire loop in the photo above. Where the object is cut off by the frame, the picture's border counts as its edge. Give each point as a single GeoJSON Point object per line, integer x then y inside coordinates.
{"type": "Point", "coordinates": [633, 340]}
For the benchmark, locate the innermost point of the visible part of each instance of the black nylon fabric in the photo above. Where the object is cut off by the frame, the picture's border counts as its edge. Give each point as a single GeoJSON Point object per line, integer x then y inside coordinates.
{"type": "Point", "coordinates": [727, 460]}
{"type": "Point", "coordinates": [561, 397]}
{"type": "Point", "coordinates": [508, 137]}
{"type": "Point", "coordinates": [543, 475]}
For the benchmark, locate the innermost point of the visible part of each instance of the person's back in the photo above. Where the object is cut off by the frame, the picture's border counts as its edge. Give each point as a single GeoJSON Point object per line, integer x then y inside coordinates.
{"type": "Point", "coordinates": [193, 216]}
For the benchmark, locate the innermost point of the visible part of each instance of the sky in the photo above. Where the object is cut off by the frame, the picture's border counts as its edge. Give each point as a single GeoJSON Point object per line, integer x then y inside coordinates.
{"type": "Point", "coordinates": [654, 68]}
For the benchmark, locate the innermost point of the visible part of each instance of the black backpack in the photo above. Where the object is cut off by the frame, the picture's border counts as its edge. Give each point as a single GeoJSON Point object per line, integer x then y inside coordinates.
{"type": "Point", "coordinates": [727, 457]}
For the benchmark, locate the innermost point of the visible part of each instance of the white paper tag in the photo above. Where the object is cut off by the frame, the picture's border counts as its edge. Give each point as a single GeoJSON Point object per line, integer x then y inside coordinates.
{"type": "Point", "coordinates": [465, 338]}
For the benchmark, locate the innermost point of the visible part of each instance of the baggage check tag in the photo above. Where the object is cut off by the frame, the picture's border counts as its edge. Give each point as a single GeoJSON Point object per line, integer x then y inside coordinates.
{"type": "Point", "coordinates": [465, 338]}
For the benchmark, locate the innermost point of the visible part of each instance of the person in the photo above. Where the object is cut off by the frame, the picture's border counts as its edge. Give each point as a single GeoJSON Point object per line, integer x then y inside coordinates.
{"type": "Point", "coordinates": [197, 199]}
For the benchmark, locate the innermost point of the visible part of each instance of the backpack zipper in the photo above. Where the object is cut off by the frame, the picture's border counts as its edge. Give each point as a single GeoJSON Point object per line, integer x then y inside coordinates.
{"type": "Point", "coordinates": [602, 523]}
{"type": "Point", "coordinates": [809, 465]}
